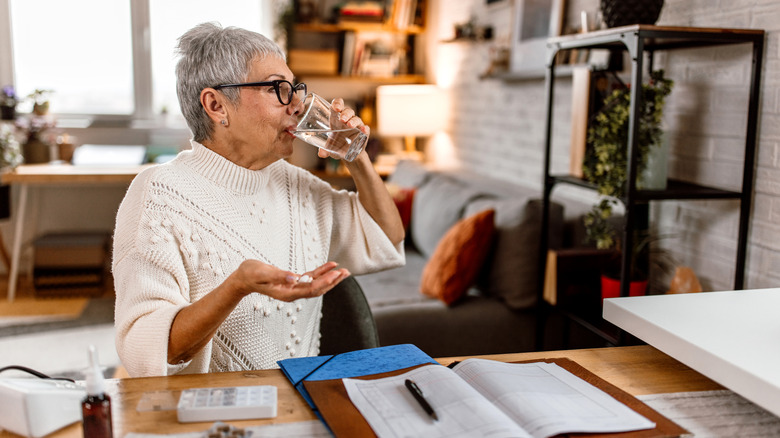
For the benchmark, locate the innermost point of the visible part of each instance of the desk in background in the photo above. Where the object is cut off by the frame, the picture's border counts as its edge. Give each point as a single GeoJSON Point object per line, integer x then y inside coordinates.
{"type": "Point", "coordinates": [41, 175]}
{"type": "Point", "coordinates": [731, 336]}
{"type": "Point", "coordinates": [637, 370]}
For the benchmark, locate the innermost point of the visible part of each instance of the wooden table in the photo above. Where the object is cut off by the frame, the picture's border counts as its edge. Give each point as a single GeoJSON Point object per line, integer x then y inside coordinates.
{"type": "Point", "coordinates": [637, 370]}
{"type": "Point", "coordinates": [38, 175]}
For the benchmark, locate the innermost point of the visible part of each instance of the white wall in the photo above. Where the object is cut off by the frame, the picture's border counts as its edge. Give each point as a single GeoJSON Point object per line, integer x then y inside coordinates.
{"type": "Point", "coordinates": [497, 127]}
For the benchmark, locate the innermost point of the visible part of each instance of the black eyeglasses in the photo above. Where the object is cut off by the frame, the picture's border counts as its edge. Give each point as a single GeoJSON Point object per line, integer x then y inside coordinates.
{"type": "Point", "coordinates": [284, 89]}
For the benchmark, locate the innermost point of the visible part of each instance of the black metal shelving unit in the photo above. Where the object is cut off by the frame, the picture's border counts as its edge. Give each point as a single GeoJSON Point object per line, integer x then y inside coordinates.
{"type": "Point", "coordinates": [642, 41]}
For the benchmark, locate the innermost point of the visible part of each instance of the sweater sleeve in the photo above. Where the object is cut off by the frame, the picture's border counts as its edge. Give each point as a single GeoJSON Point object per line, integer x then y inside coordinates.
{"type": "Point", "coordinates": [357, 242]}
{"type": "Point", "coordinates": [151, 288]}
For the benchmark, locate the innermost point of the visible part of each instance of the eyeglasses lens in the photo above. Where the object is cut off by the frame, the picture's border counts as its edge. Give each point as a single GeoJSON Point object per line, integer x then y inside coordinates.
{"type": "Point", "coordinates": [285, 91]}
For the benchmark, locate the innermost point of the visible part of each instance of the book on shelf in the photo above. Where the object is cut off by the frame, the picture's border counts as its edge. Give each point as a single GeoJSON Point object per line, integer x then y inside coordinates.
{"type": "Point", "coordinates": [405, 13]}
{"type": "Point", "coordinates": [348, 53]}
{"type": "Point", "coordinates": [362, 11]}
{"type": "Point", "coordinates": [372, 54]}
{"type": "Point", "coordinates": [580, 113]}
{"type": "Point", "coordinates": [478, 397]}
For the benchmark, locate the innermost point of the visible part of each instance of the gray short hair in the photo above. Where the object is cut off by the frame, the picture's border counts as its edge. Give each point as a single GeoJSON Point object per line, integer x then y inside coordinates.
{"type": "Point", "coordinates": [209, 56]}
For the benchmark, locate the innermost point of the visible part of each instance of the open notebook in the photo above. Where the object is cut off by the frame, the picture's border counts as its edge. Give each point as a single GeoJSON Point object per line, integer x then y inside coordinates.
{"type": "Point", "coordinates": [556, 396]}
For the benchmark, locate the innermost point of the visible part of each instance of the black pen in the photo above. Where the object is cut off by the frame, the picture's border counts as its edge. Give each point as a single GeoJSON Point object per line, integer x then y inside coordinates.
{"type": "Point", "coordinates": [418, 395]}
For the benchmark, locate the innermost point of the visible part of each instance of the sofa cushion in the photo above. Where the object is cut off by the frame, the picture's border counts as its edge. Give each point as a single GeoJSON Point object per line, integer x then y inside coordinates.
{"type": "Point", "coordinates": [458, 258]}
{"type": "Point", "coordinates": [398, 286]}
{"type": "Point", "coordinates": [474, 325]}
{"type": "Point", "coordinates": [409, 173]}
{"type": "Point", "coordinates": [437, 205]}
{"type": "Point", "coordinates": [512, 268]}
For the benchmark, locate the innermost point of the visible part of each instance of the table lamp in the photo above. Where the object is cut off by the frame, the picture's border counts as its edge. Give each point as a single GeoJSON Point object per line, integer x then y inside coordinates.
{"type": "Point", "coordinates": [410, 111]}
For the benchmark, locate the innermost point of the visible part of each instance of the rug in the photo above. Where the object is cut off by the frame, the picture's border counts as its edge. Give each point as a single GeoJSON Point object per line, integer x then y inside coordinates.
{"type": "Point", "coordinates": [29, 313]}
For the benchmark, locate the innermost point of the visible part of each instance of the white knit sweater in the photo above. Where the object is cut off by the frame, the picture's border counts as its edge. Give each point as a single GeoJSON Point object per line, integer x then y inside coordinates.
{"type": "Point", "coordinates": [184, 226]}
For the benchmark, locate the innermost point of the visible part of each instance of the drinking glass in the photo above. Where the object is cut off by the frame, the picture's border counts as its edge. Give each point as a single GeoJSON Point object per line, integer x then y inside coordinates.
{"type": "Point", "coordinates": [319, 126]}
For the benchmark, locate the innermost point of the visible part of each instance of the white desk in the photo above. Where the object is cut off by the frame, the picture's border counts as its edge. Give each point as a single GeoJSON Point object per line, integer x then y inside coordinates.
{"type": "Point", "coordinates": [731, 337]}
{"type": "Point", "coordinates": [46, 175]}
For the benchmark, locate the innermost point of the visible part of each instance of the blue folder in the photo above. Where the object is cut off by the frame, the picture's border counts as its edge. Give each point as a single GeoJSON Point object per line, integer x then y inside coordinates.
{"type": "Point", "coordinates": [352, 364]}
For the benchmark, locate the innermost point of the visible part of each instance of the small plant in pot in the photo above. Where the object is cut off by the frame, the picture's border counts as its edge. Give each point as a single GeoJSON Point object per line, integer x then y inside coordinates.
{"type": "Point", "coordinates": [40, 101]}
{"type": "Point", "coordinates": [605, 163]}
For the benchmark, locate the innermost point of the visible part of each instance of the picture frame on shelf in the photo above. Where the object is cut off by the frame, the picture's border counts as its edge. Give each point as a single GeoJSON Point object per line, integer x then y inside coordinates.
{"type": "Point", "coordinates": [534, 22]}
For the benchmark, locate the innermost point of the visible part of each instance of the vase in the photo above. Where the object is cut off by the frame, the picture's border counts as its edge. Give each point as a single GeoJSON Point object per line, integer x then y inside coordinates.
{"type": "Point", "coordinates": [5, 201]}
{"type": "Point", "coordinates": [35, 151]}
{"type": "Point", "coordinates": [7, 112]}
{"type": "Point", "coordinates": [610, 287]}
{"type": "Point", "coordinates": [41, 109]}
{"type": "Point", "coordinates": [654, 175]}
{"type": "Point", "coordinates": [625, 12]}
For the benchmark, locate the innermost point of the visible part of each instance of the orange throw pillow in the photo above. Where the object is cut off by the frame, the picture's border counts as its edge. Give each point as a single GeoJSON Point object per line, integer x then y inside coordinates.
{"type": "Point", "coordinates": [458, 258]}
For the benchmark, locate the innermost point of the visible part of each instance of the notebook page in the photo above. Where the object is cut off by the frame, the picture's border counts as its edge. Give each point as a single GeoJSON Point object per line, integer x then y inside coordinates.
{"type": "Point", "coordinates": [391, 410]}
{"type": "Point", "coordinates": [546, 399]}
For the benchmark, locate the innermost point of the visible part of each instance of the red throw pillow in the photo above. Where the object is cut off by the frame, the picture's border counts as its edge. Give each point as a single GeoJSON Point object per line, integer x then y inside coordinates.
{"type": "Point", "coordinates": [458, 258]}
{"type": "Point", "coordinates": [403, 197]}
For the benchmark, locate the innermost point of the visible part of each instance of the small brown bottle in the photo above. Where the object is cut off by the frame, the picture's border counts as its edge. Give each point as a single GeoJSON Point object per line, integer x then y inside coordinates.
{"type": "Point", "coordinates": [96, 407]}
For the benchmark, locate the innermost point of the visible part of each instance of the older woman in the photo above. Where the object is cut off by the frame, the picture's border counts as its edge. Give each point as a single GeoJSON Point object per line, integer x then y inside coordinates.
{"type": "Point", "coordinates": [211, 248]}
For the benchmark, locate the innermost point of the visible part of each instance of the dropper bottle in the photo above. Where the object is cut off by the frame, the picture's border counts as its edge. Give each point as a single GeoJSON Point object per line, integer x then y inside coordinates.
{"type": "Point", "coordinates": [96, 407]}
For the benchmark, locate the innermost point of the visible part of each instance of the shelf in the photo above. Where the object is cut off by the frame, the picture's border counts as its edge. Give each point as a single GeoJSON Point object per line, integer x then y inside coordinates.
{"type": "Point", "coordinates": [638, 41]}
{"type": "Point", "coordinates": [355, 27]}
{"type": "Point", "coordinates": [675, 189]}
{"type": "Point", "coordinates": [400, 79]}
{"type": "Point", "coordinates": [656, 37]}
{"type": "Point", "coordinates": [563, 70]}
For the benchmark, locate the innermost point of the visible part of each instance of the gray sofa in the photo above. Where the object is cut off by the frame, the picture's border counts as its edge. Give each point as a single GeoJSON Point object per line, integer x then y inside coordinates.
{"type": "Point", "coordinates": [498, 313]}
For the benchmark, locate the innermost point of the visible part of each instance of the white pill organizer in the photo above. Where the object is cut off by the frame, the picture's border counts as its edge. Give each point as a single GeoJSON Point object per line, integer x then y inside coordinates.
{"type": "Point", "coordinates": [230, 403]}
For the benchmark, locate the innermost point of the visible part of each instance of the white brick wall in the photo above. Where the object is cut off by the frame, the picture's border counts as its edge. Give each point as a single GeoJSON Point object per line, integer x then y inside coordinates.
{"type": "Point", "coordinates": [498, 127]}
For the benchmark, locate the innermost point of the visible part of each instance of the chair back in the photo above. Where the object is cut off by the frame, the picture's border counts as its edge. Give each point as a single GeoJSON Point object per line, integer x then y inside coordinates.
{"type": "Point", "coordinates": [347, 323]}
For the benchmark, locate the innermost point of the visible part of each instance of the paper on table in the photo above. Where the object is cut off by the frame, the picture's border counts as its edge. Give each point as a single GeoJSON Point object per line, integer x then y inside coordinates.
{"type": "Point", "coordinates": [391, 410]}
{"type": "Point", "coordinates": [542, 399]}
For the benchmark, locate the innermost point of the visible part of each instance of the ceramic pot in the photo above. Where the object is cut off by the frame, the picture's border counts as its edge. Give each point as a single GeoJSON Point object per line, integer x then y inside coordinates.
{"type": "Point", "coordinates": [625, 12]}
{"type": "Point", "coordinates": [41, 109]}
{"type": "Point", "coordinates": [610, 287]}
{"type": "Point", "coordinates": [7, 112]}
{"type": "Point", "coordinates": [35, 151]}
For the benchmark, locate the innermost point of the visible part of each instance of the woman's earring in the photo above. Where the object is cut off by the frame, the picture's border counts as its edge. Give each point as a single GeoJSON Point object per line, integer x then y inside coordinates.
{"type": "Point", "coordinates": [224, 122]}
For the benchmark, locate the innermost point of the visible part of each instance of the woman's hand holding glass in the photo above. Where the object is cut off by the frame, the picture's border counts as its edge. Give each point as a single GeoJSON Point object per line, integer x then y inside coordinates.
{"type": "Point", "coordinates": [332, 127]}
{"type": "Point", "coordinates": [256, 276]}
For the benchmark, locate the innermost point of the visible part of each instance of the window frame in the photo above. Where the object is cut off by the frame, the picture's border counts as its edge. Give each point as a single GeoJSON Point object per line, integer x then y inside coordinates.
{"type": "Point", "coordinates": [143, 99]}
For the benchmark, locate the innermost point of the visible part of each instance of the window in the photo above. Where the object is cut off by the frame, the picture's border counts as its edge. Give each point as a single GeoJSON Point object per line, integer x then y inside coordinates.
{"type": "Point", "coordinates": [89, 60]}
{"type": "Point", "coordinates": [86, 61]}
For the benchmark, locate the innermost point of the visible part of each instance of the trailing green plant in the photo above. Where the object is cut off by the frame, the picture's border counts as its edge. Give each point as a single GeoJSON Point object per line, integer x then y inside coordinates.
{"type": "Point", "coordinates": [605, 162]}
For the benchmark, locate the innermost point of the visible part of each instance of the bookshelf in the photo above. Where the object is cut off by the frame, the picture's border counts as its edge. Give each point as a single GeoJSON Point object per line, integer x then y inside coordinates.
{"type": "Point", "coordinates": [642, 42]}
{"type": "Point", "coordinates": [379, 46]}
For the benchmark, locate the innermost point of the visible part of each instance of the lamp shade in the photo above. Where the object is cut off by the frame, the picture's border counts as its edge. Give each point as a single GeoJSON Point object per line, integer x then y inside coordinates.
{"type": "Point", "coordinates": [411, 110]}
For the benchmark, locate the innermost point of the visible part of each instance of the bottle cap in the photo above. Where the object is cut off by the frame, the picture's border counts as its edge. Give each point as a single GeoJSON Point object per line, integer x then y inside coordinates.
{"type": "Point", "coordinates": [94, 377]}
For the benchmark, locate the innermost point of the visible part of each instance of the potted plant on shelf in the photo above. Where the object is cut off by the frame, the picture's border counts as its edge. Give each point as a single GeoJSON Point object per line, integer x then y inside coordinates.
{"type": "Point", "coordinates": [605, 163]}
{"type": "Point", "coordinates": [8, 101]}
{"type": "Point", "coordinates": [40, 100]}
